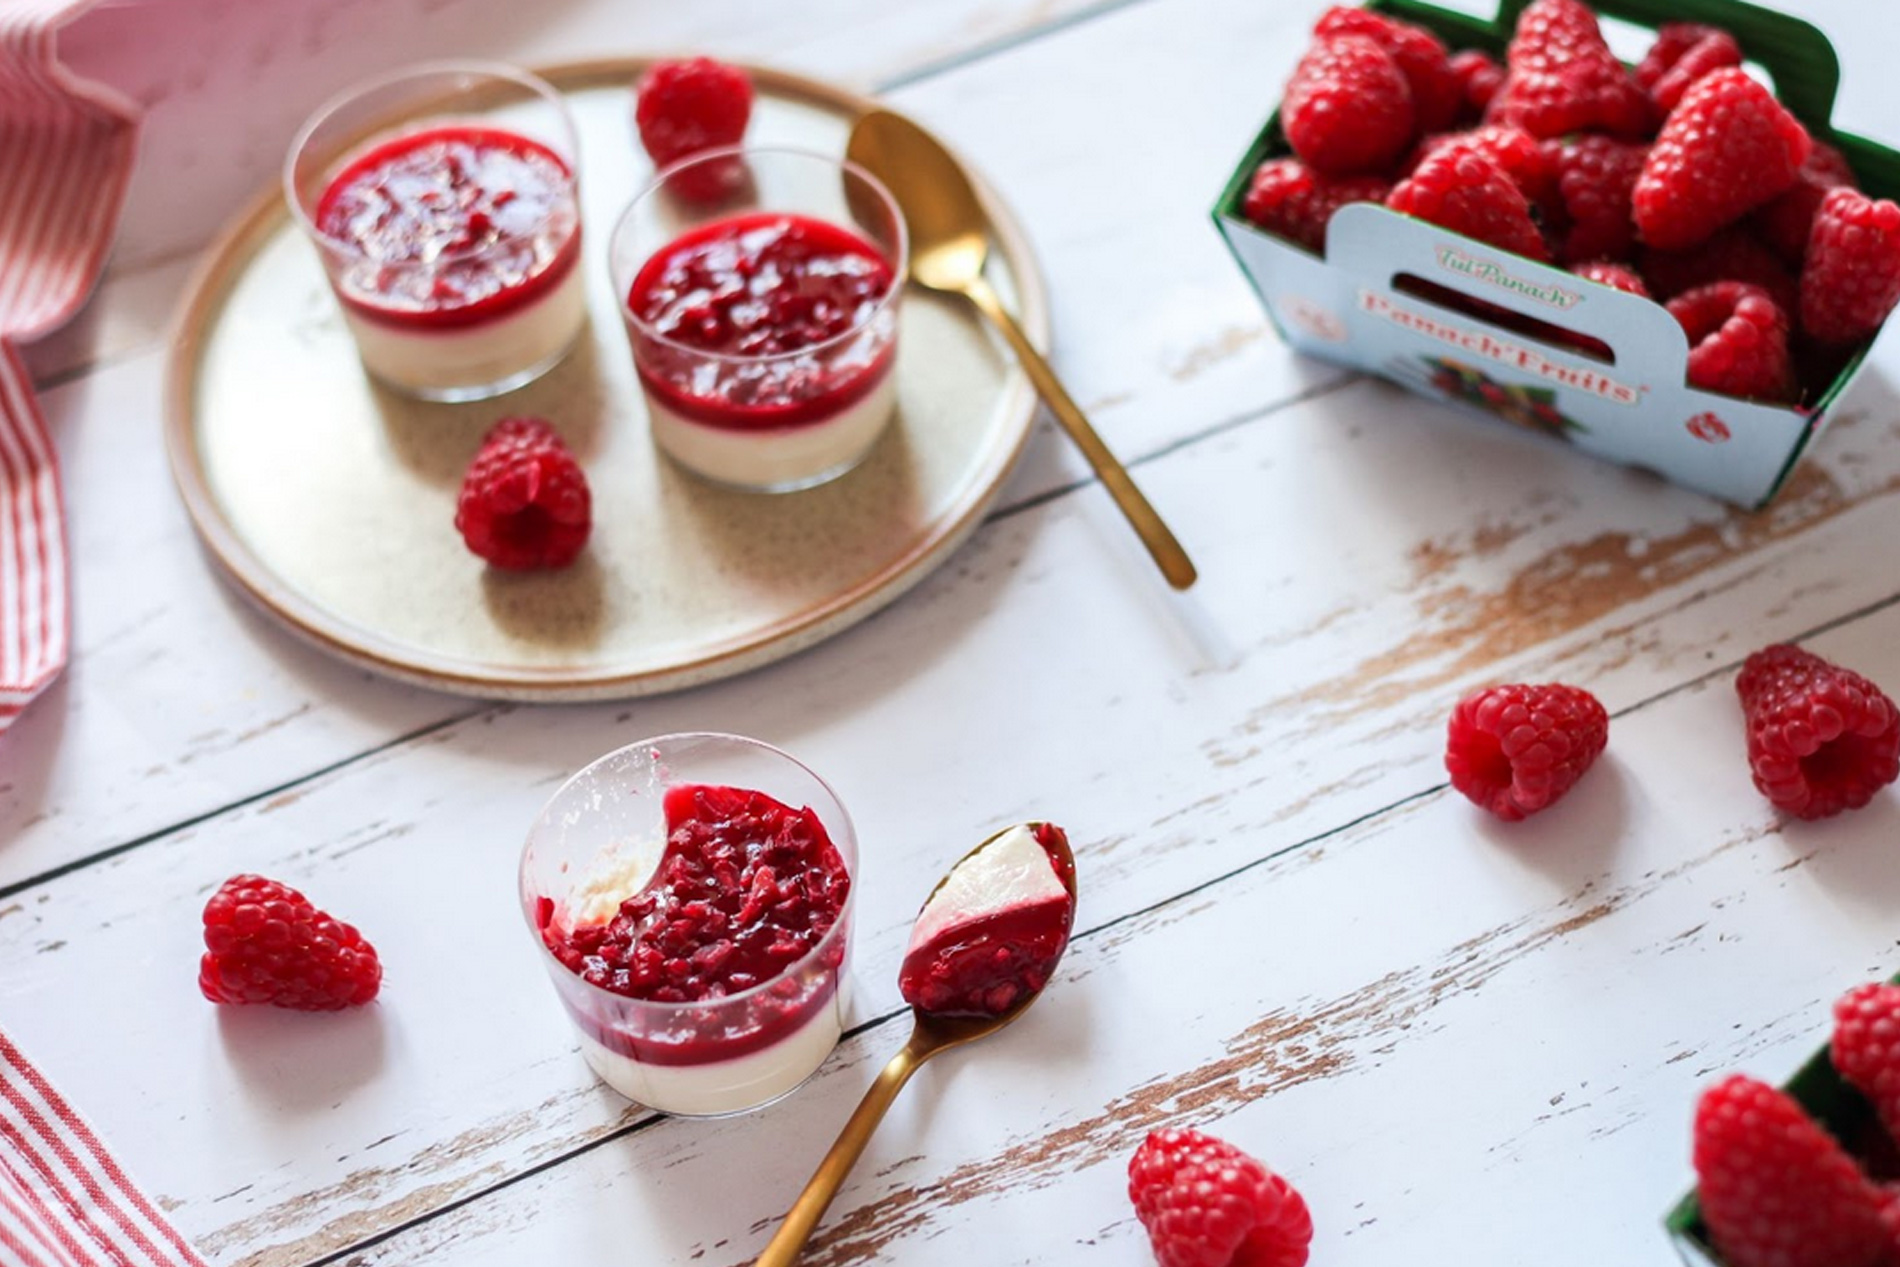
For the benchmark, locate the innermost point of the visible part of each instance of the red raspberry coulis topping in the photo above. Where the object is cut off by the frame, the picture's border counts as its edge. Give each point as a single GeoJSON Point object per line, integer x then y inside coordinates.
{"type": "Point", "coordinates": [454, 224]}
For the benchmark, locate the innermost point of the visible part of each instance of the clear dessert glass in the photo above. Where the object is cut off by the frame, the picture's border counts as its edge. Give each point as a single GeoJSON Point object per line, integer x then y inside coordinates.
{"type": "Point", "coordinates": [792, 416]}
{"type": "Point", "coordinates": [600, 838]}
{"type": "Point", "coordinates": [442, 201]}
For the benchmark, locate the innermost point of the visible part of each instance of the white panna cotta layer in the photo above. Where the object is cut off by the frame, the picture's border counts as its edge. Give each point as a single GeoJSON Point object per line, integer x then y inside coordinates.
{"type": "Point", "coordinates": [781, 457]}
{"type": "Point", "coordinates": [725, 1086]}
{"type": "Point", "coordinates": [1009, 873]}
{"type": "Point", "coordinates": [446, 359]}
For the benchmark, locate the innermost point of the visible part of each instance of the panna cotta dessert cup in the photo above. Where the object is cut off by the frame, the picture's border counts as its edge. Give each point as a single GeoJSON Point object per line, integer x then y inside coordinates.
{"type": "Point", "coordinates": [443, 203]}
{"type": "Point", "coordinates": [691, 896]}
{"type": "Point", "coordinates": [763, 322]}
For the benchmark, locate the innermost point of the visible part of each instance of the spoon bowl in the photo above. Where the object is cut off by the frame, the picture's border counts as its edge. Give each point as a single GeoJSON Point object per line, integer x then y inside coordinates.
{"type": "Point", "coordinates": [931, 1034]}
{"type": "Point", "coordinates": [949, 246]}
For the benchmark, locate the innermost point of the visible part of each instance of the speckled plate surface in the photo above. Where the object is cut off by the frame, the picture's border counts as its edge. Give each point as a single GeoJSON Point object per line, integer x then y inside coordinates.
{"type": "Point", "coordinates": [330, 501]}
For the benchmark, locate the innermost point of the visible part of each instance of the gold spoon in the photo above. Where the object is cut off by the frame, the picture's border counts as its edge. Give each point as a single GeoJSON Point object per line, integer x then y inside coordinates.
{"type": "Point", "coordinates": [929, 1035]}
{"type": "Point", "coordinates": [949, 242]}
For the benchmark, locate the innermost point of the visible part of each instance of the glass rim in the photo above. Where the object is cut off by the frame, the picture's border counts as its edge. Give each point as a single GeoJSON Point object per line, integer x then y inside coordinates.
{"type": "Point", "coordinates": [662, 1006]}
{"type": "Point", "coordinates": [569, 138]}
{"type": "Point", "coordinates": [900, 267]}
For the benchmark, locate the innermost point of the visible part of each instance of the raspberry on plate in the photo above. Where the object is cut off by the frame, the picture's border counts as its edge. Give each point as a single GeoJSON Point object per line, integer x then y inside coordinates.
{"type": "Point", "coordinates": [265, 943]}
{"type": "Point", "coordinates": [1727, 148]}
{"type": "Point", "coordinates": [1738, 340]}
{"type": "Point", "coordinates": [1348, 109]}
{"type": "Point", "coordinates": [1479, 77]}
{"type": "Point", "coordinates": [1852, 278]}
{"type": "Point", "coordinates": [1515, 749]}
{"type": "Point", "coordinates": [1866, 1047]}
{"type": "Point", "coordinates": [1459, 187]}
{"type": "Point", "coordinates": [1612, 274]}
{"type": "Point", "coordinates": [1437, 93]}
{"type": "Point", "coordinates": [1291, 199]}
{"type": "Point", "coordinates": [1734, 254]}
{"type": "Point", "coordinates": [1207, 1204]}
{"type": "Point", "coordinates": [524, 502]}
{"type": "Point", "coordinates": [1776, 1190]}
{"type": "Point", "coordinates": [1561, 77]}
{"type": "Point", "coordinates": [686, 107]}
{"type": "Point", "coordinates": [1595, 176]}
{"type": "Point", "coordinates": [1683, 53]}
{"type": "Point", "coordinates": [1785, 222]}
{"type": "Point", "coordinates": [1821, 739]}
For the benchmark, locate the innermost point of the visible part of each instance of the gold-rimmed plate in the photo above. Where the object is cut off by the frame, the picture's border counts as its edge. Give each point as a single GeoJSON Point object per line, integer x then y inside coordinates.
{"type": "Point", "coordinates": [330, 501]}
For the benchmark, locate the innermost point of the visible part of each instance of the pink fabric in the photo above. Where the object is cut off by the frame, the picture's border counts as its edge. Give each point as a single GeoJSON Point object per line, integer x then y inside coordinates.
{"type": "Point", "coordinates": [66, 151]}
{"type": "Point", "coordinates": [63, 1201]}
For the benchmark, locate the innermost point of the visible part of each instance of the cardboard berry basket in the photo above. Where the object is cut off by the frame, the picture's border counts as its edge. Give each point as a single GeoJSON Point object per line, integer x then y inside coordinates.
{"type": "Point", "coordinates": [1829, 1100]}
{"type": "Point", "coordinates": [1598, 368]}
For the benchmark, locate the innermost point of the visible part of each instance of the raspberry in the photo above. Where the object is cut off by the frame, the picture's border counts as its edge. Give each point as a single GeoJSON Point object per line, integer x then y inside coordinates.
{"type": "Point", "coordinates": [1562, 77]}
{"type": "Point", "coordinates": [1732, 255]}
{"type": "Point", "coordinates": [1291, 199]}
{"type": "Point", "coordinates": [1683, 53]}
{"type": "Point", "coordinates": [1785, 222]}
{"type": "Point", "coordinates": [1777, 1190]}
{"type": "Point", "coordinates": [684, 108]}
{"type": "Point", "coordinates": [265, 943]}
{"type": "Point", "coordinates": [1513, 149]}
{"type": "Point", "coordinates": [1479, 77]}
{"type": "Point", "coordinates": [1726, 148]}
{"type": "Point", "coordinates": [1595, 177]}
{"type": "Point", "coordinates": [1609, 274]}
{"type": "Point", "coordinates": [1738, 340]}
{"type": "Point", "coordinates": [1437, 94]}
{"type": "Point", "coordinates": [1207, 1204]}
{"type": "Point", "coordinates": [1821, 739]}
{"type": "Point", "coordinates": [1348, 109]}
{"type": "Point", "coordinates": [1853, 273]}
{"type": "Point", "coordinates": [1866, 1047]}
{"type": "Point", "coordinates": [1458, 187]}
{"type": "Point", "coordinates": [524, 502]}
{"type": "Point", "coordinates": [1515, 750]}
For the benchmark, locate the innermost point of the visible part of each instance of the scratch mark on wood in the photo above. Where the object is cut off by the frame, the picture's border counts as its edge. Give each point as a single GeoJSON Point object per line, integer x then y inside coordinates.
{"type": "Point", "coordinates": [1205, 356]}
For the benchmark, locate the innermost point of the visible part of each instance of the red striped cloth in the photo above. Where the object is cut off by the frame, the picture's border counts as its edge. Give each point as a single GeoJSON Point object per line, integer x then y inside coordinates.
{"type": "Point", "coordinates": [63, 1201]}
{"type": "Point", "coordinates": [65, 154]}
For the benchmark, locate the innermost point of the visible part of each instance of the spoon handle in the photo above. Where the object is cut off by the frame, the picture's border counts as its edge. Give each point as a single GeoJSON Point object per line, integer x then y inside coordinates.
{"type": "Point", "coordinates": [1140, 513]}
{"type": "Point", "coordinates": [789, 1241]}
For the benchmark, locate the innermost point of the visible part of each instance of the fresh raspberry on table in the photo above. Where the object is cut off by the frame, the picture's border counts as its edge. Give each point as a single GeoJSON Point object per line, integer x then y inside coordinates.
{"type": "Point", "coordinates": [1595, 176]}
{"type": "Point", "coordinates": [1738, 340]}
{"type": "Point", "coordinates": [1479, 78]}
{"type": "Point", "coordinates": [1520, 154]}
{"type": "Point", "coordinates": [524, 502]}
{"type": "Point", "coordinates": [1437, 94]}
{"type": "Point", "coordinates": [1561, 77]}
{"type": "Point", "coordinates": [1291, 199]}
{"type": "Point", "coordinates": [1348, 109]}
{"type": "Point", "coordinates": [1733, 255]}
{"type": "Point", "coordinates": [1727, 148]}
{"type": "Point", "coordinates": [1459, 187]}
{"type": "Point", "coordinates": [265, 943]}
{"type": "Point", "coordinates": [1207, 1204]}
{"type": "Point", "coordinates": [1776, 1190]}
{"type": "Point", "coordinates": [1866, 1047]}
{"type": "Point", "coordinates": [1821, 739]}
{"type": "Point", "coordinates": [1609, 273]}
{"type": "Point", "coordinates": [1516, 749]}
{"type": "Point", "coordinates": [1683, 53]}
{"type": "Point", "coordinates": [1852, 279]}
{"type": "Point", "coordinates": [1786, 221]}
{"type": "Point", "coordinates": [690, 106]}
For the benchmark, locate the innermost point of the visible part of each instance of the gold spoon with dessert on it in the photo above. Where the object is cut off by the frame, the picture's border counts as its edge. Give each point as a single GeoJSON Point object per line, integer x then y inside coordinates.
{"type": "Point", "coordinates": [1015, 892]}
{"type": "Point", "coordinates": [949, 244]}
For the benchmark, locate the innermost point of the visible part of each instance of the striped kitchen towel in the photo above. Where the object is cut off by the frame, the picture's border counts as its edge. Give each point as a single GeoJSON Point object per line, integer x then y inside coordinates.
{"type": "Point", "coordinates": [66, 151]}
{"type": "Point", "coordinates": [63, 1201]}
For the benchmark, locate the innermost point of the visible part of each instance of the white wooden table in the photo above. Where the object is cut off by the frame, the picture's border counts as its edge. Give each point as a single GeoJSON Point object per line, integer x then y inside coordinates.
{"type": "Point", "coordinates": [1464, 1042]}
